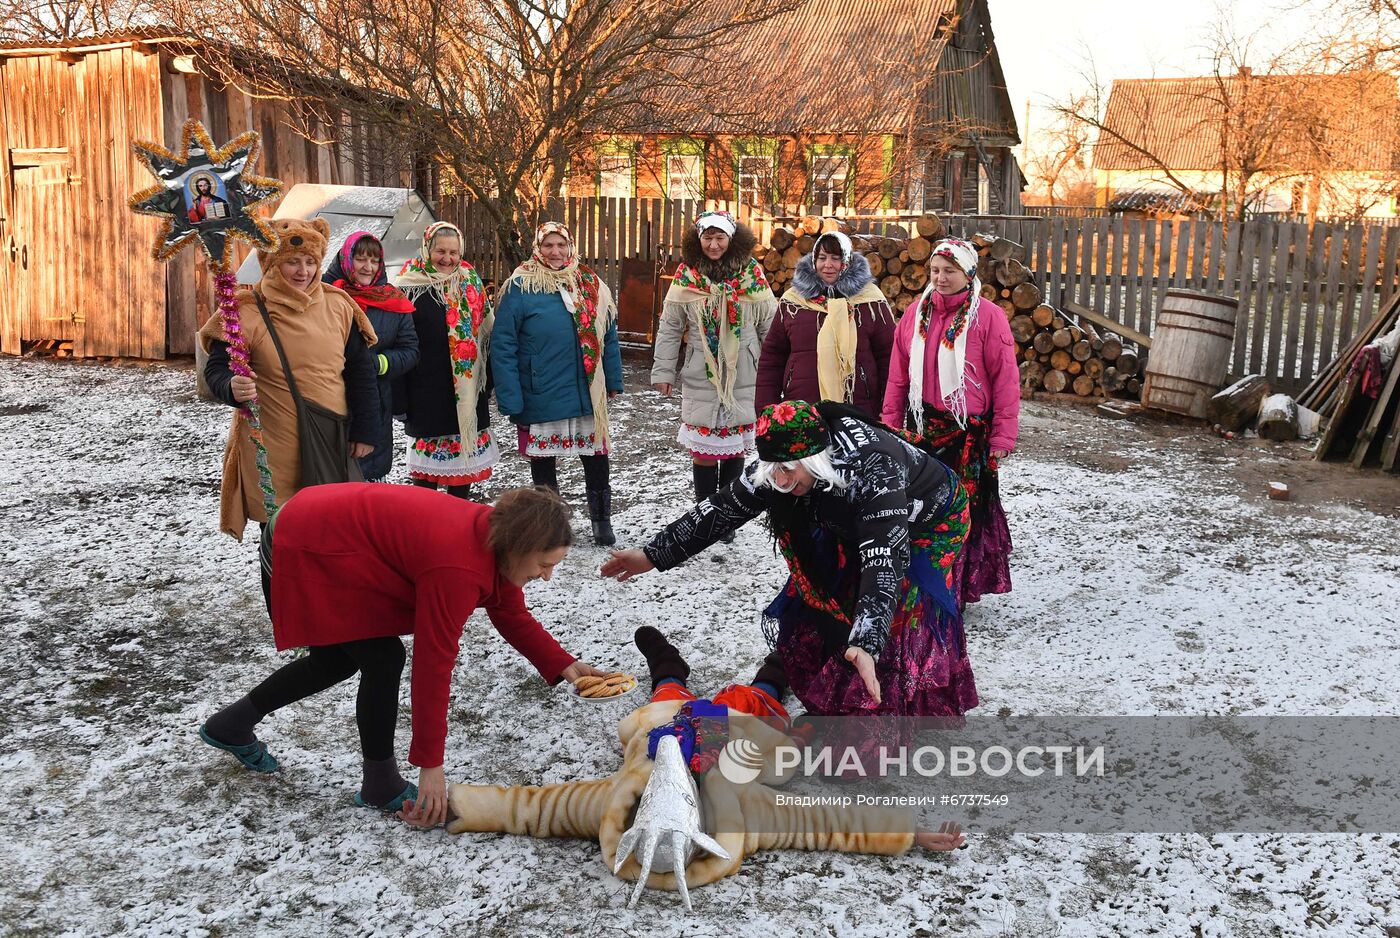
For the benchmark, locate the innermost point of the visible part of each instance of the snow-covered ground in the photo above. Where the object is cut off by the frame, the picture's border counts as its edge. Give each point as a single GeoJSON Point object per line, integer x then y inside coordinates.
{"type": "Point", "coordinates": [1152, 576]}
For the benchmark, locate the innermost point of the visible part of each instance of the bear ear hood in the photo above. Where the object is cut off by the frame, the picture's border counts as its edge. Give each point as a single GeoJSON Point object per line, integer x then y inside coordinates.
{"type": "Point", "coordinates": [296, 236]}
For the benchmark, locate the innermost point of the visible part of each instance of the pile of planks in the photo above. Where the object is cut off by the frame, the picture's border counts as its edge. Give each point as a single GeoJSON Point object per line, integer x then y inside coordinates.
{"type": "Point", "coordinates": [1360, 428]}
{"type": "Point", "coordinates": [1056, 353]}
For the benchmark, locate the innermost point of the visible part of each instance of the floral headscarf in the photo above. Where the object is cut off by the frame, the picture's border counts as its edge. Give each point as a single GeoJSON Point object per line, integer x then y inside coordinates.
{"type": "Point", "coordinates": [469, 320]}
{"type": "Point", "coordinates": [587, 301]}
{"type": "Point", "coordinates": [790, 430]}
{"type": "Point", "coordinates": [952, 347]}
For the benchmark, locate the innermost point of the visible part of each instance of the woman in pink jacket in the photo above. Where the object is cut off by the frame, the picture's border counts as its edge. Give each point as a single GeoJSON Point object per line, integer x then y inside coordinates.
{"type": "Point", "coordinates": [954, 381]}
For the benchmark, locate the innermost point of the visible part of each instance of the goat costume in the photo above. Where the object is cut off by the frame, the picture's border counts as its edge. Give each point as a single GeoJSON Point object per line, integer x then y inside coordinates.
{"type": "Point", "coordinates": [723, 309]}
{"type": "Point", "coordinates": [739, 819]}
{"type": "Point", "coordinates": [829, 342]}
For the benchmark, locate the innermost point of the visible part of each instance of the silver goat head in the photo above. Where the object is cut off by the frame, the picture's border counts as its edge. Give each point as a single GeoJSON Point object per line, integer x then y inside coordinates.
{"type": "Point", "coordinates": [666, 830]}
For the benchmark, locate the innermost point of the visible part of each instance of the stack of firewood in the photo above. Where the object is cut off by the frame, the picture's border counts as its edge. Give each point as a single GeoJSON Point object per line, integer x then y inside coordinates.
{"type": "Point", "coordinates": [900, 266]}
{"type": "Point", "coordinates": [1056, 353]}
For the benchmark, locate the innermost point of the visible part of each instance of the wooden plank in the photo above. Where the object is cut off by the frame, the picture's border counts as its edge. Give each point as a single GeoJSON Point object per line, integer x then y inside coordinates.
{"type": "Point", "coordinates": [1389, 261]}
{"type": "Point", "coordinates": [1351, 276]}
{"type": "Point", "coordinates": [1248, 233]}
{"type": "Point", "coordinates": [1332, 294]}
{"type": "Point", "coordinates": [1163, 279]}
{"type": "Point", "coordinates": [1074, 229]}
{"type": "Point", "coordinates": [1132, 300]}
{"type": "Point", "coordinates": [1294, 322]}
{"type": "Point", "coordinates": [1086, 261]}
{"type": "Point", "coordinates": [1117, 258]}
{"type": "Point", "coordinates": [1099, 319]}
{"type": "Point", "coordinates": [1149, 264]}
{"type": "Point", "coordinates": [1055, 277]}
{"type": "Point", "coordinates": [1259, 306]}
{"type": "Point", "coordinates": [1101, 233]}
{"type": "Point", "coordinates": [1371, 427]}
{"type": "Point", "coordinates": [9, 291]}
{"type": "Point", "coordinates": [1311, 300]}
{"type": "Point", "coordinates": [1181, 258]}
{"type": "Point", "coordinates": [1230, 286]}
{"type": "Point", "coordinates": [1200, 230]}
{"type": "Point", "coordinates": [146, 275]}
{"type": "Point", "coordinates": [1370, 275]}
{"type": "Point", "coordinates": [1276, 339]}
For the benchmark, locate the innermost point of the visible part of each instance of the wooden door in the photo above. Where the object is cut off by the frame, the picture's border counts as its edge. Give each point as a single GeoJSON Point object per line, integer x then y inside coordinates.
{"type": "Point", "coordinates": [44, 255]}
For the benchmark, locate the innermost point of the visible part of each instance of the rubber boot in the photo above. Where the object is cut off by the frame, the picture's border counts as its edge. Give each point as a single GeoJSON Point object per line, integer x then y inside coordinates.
{"type": "Point", "coordinates": [600, 513]}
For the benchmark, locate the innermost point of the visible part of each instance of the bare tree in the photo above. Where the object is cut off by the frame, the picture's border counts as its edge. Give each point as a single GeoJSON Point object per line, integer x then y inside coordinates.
{"type": "Point", "coordinates": [1057, 158]}
{"type": "Point", "coordinates": [502, 93]}
{"type": "Point", "coordinates": [58, 20]}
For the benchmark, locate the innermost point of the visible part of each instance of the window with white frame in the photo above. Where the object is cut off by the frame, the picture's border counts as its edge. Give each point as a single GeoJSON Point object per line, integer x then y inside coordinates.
{"type": "Point", "coordinates": [755, 179]}
{"type": "Point", "coordinates": [615, 176]}
{"type": "Point", "coordinates": [684, 177]}
{"type": "Point", "coordinates": [984, 189]}
{"type": "Point", "coordinates": [830, 174]}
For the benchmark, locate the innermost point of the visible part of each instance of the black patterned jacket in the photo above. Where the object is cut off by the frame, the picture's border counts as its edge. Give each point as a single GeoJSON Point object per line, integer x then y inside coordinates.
{"type": "Point", "coordinates": [890, 485]}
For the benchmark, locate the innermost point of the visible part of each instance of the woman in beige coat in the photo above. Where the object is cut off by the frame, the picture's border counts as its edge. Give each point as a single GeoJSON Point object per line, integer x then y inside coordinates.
{"type": "Point", "coordinates": [721, 304]}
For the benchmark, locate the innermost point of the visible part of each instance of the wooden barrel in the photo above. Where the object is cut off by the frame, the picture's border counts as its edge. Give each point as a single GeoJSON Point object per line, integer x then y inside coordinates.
{"type": "Point", "coordinates": [1190, 351]}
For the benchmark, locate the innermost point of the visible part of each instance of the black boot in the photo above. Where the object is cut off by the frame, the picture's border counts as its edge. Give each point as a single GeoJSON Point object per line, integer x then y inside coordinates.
{"type": "Point", "coordinates": [460, 491]}
{"type": "Point", "coordinates": [600, 513]}
{"type": "Point", "coordinates": [663, 659]}
{"type": "Point", "coordinates": [773, 674]}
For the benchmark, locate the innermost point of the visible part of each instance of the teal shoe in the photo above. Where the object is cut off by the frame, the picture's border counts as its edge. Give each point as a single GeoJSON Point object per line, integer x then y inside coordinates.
{"type": "Point", "coordinates": [410, 793]}
{"type": "Point", "coordinates": [253, 755]}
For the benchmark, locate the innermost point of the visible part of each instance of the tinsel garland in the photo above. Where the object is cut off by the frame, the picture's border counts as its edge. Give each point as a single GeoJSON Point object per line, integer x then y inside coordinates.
{"type": "Point", "coordinates": [225, 285]}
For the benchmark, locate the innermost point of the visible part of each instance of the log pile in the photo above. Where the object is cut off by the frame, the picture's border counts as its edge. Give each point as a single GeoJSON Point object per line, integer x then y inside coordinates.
{"type": "Point", "coordinates": [1056, 353]}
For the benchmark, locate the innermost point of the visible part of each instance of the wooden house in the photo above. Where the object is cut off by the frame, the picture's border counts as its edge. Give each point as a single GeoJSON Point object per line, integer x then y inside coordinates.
{"type": "Point", "coordinates": [77, 266]}
{"type": "Point", "coordinates": [841, 105]}
{"type": "Point", "coordinates": [1317, 144]}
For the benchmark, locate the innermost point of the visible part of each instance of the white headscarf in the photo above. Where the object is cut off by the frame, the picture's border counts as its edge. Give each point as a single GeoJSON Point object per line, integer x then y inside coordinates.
{"type": "Point", "coordinates": [952, 358]}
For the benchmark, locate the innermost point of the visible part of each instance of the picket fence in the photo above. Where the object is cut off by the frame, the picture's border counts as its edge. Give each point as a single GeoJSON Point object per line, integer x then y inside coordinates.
{"type": "Point", "coordinates": [1304, 290]}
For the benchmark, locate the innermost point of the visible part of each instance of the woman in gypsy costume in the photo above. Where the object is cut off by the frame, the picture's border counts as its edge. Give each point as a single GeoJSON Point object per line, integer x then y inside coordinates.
{"type": "Point", "coordinates": [721, 303]}
{"type": "Point", "coordinates": [556, 364]}
{"type": "Point", "coordinates": [446, 396]}
{"type": "Point", "coordinates": [963, 401]}
{"type": "Point", "coordinates": [832, 335]}
{"type": "Point", "coordinates": [870, 526]}
{"type": "Point", "coordinates": [358, 269]}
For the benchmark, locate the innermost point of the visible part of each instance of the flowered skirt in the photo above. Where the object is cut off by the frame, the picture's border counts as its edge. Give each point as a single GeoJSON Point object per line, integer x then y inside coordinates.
{"type": "Point", "coordinates": [572, 436]}
{"type": "Point", "coordinates": [924, 669]}
{"type": "Point", "coordinates": [716, 442]}
{"type": "Point", "coordinates": [984, 566]}
{"type": "Point", "coordinates": [443, 459]}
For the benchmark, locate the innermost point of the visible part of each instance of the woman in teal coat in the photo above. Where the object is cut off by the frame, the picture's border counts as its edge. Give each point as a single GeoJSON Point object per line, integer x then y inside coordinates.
{"type": "Point", "coordinates": [556, 364]}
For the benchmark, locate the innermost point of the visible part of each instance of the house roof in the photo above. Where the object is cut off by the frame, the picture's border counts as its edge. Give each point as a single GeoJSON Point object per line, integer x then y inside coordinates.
{"type": "Point", "coordinates": [1159, 202]}
{"type": "Point", "coordinates": [1351, 117]}
{"type": "Point", "coordinates": [112, 39]}
{"type": "Point", "coordinates": [826, 66]}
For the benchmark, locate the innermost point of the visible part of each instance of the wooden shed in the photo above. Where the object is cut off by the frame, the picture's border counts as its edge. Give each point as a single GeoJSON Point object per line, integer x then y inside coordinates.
{"type": "Point", "coordinates": [77, 265]}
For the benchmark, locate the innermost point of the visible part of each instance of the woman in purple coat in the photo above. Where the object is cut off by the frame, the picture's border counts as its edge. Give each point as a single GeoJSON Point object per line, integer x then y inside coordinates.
{"type": "Point", "coordinates": [832, 335]}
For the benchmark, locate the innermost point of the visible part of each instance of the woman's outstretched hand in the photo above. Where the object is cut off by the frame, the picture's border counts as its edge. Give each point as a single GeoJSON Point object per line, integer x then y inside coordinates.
{"type": "Point", "coordinates": [625, 564]}
{"type": "Point", "coordinates": [578, 669]}
{"type": "Point", "coordinates": [948, 837]}
{"type": "Point", "coordinates": [430, 808]}
{"type": "Point", "coordinates": [865, 667]}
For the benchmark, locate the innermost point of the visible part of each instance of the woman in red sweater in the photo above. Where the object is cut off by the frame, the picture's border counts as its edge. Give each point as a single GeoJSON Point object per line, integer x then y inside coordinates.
{"type": "Point", "coordinates": [954, 381]}
{"type": "Point", "coordinates": [355, 566]}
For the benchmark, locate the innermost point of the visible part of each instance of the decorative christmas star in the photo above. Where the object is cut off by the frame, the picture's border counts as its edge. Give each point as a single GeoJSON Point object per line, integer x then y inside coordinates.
{"type": "Point", "coordinates": [206, 195]}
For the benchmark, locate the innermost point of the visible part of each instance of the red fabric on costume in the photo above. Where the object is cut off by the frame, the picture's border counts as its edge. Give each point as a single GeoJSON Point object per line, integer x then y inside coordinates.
{"type": "Point", "coordinates": [744, 698]}
{"type": "Point", "coordinates": [671, 691]}
{"type": "Point", "coordinates": [357, 560]}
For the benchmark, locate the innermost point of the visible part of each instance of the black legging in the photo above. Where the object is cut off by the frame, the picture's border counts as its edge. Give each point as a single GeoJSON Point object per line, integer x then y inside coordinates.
{"type": "Point", "coordinates": [544, 470]}
{"type": "Point", "coordinates": [456, 491]}
{"type": "Point", "coordinates": [380, 663]}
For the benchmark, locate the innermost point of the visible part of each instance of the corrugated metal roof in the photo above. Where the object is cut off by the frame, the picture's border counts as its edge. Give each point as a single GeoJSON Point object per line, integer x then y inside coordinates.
{"type": "Point", "coordinates": [828, 66]}
{"type": "Point", "coordinates": [115, 37]}
{"type": "Point", "coordinates": [1154, 201]}
{"type": "Point", "coordinates": [1352, 117]}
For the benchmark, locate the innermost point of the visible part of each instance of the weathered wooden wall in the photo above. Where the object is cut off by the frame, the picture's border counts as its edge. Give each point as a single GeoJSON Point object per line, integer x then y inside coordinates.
{"type": "Point", "coordinates": [76, 262]}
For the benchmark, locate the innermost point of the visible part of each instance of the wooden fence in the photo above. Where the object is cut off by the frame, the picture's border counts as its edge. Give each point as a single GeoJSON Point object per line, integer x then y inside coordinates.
{"type": "Point", "coordinates": [1304, 291]}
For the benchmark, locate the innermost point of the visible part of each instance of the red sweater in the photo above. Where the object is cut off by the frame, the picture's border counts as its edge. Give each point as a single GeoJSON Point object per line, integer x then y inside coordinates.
{"type": "Point", "coordinates": [358, 561]}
